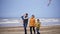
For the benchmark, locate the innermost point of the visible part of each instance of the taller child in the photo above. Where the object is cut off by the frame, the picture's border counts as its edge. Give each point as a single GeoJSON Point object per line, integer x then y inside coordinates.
{"type": "Point", "coordinates": [32, 24]}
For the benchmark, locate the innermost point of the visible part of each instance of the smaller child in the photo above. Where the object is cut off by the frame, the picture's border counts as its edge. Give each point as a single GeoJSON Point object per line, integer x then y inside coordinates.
{"type": "Point", "coordinates": [38, 26]}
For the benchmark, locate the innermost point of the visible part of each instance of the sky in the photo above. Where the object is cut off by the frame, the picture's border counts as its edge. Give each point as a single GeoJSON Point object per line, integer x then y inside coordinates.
{"type": "Point", "coordinates": [16, 8]}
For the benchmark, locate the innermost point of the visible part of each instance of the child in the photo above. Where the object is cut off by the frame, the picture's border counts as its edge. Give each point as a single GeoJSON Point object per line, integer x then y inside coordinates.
{"type": "Point", "coordinates": [32, 24]}
{"type": "Point", "coordinates": [38, 26]}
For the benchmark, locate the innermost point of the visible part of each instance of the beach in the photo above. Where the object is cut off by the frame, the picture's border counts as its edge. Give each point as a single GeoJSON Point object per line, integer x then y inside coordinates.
{"type": "Point", "coordinates": [19, 30]}
{"type": "Point", "coordinates": [14, 26]}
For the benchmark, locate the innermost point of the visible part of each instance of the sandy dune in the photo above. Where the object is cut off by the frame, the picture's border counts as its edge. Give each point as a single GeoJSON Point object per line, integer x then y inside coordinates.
{"type": "Point", "coordinates": [20, 30]}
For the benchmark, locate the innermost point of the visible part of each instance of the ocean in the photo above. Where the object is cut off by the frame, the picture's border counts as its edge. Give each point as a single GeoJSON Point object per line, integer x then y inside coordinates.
{"type": "Point", "coordinates": [12, 22]}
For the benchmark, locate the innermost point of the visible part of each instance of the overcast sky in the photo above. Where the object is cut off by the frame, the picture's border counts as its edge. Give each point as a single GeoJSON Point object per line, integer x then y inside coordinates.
{"type": "Point", "coordinates": [15, 8]}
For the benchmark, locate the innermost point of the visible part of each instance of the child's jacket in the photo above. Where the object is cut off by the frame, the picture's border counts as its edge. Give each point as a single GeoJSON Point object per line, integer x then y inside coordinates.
{"type": "Point", "coordinates": [32, 22]}
{"type": "Point", "coordinates": [38, 25]}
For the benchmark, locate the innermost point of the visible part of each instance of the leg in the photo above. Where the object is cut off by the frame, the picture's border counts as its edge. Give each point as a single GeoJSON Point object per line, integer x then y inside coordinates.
{"type": "Point", "coordinates": [30, 30]}
{"type": "Point", "coordinates": [25, 30]}
{"type": "Point", "coordinates": [38, 31]}
{"type": "Point", "coordinates": [34, 30]}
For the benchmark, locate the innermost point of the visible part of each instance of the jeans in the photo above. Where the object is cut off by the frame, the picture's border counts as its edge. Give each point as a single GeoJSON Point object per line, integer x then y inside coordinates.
{"type": "Point", "coordinates": [31, 30]}
{"type": "Point", "coordinates": [25, 26]}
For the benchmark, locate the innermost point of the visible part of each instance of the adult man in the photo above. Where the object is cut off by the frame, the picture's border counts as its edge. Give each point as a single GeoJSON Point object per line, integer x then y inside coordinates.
{"type": "Point", "coordinates": [25, 22]}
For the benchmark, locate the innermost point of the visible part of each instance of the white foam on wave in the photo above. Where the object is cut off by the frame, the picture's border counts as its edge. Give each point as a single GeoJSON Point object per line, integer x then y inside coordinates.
{"type": "Point", "coordinates": [51, 21]}
{"type": "Point", "coordinates": [17, 21]}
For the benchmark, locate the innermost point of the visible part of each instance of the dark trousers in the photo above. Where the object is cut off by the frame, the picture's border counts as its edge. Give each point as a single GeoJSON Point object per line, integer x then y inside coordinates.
{"type": "Point", "coordinates": [31, 30]}
{"type": "Point", "coordinates": [25, 30]}
{"type": "Point", "coordinates": [37, 30]}
{"type": "Point", "coordinates": [25, 26]}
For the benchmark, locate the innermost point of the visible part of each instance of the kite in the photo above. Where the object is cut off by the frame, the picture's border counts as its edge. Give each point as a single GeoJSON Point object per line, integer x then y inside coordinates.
{"type": "Point", "coordinates": [49, 2]}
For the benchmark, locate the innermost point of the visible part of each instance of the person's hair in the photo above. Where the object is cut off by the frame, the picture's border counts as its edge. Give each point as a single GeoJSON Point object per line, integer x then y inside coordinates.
{"type": "Point", "coordinates": [33, 16]}
{"type": "Point", "coordinates": [38, 20]}
{"type": "Point", "coordinates": [26, 13]}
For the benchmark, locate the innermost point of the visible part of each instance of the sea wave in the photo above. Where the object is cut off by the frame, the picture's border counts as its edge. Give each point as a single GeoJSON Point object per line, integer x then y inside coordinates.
{"type": "Point", "coordinates": [19, 22]}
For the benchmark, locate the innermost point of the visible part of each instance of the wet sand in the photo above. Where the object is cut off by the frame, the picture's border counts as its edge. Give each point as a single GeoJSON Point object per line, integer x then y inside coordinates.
{"type": "Point", "coordinates": [19, 30]}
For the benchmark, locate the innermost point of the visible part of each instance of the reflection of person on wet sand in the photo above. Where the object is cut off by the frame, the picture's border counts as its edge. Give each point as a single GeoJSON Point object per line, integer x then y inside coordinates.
{"type": "Point", "coordinates": [25, 22]}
